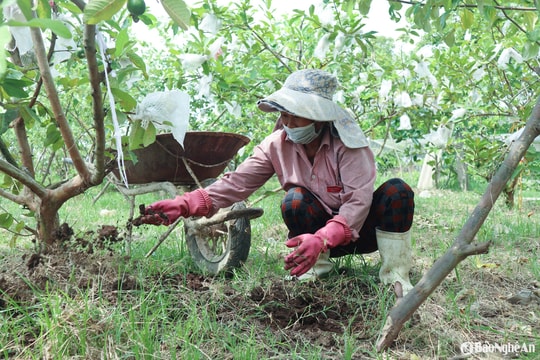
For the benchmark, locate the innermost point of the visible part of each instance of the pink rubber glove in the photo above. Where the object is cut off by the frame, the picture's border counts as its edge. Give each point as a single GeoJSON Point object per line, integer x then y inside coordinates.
{"type": "Point", "coordinates": [166, 212]}
{"type": "Point", "coordinates": [309, 246]}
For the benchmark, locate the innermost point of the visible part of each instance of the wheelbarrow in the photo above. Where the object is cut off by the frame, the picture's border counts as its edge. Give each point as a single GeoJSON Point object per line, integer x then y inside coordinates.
{"type": "Point", "coordinates": [221, 242]}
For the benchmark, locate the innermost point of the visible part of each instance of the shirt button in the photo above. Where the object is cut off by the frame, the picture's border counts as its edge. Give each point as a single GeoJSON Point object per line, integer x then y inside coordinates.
{"type": "Point", "coordinates": [313, 177]}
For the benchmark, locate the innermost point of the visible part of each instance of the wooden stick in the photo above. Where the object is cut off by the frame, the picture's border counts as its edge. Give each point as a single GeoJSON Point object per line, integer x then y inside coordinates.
{"type": "Point", "coordinates": [163, 237]}
{"type": "Point", "coordinates": [221, 217]}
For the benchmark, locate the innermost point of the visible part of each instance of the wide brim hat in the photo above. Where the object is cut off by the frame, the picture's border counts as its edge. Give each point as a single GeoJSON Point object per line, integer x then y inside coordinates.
{"type": "Point", "coordinates": [309, 94]}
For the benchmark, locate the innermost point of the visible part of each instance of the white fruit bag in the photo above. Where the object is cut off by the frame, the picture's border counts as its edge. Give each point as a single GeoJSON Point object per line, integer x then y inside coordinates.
{"type": "Point", "coordinates": [167, 110]}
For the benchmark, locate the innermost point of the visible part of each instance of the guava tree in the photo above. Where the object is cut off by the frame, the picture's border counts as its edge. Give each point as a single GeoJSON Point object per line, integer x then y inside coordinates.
{"type": "Point", "coordinates": [237, 53]}
{"type": "Point", "coordinates": [459, 74]}
{"type": "Point", "coordinates": [59, 49]}
{"type": "Point", "coordinates": [484, 56]}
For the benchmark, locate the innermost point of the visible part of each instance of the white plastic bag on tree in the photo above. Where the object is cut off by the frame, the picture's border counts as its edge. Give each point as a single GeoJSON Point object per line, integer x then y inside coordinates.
{"type": "Point", "coordinates": [322, 47]}
{"type": "Point", "coordinates": [167, 111]}
{"type": "Point", "coordinates": [21, 34]}
{"type": "Point", "coordinates": [438, 138]}
{"type": "Point", "coordinates": [403, 99]}
{"type": "Point", "coordinates": [210, 23]}
{"type": "Point", "coordinates": [425, 180]}
{"type": "Point", "coordinates": [64, 47]}
{"type": "Point", "coordinates": [384, 91]}
{"type": "Point", "coordinates": [404, 122]}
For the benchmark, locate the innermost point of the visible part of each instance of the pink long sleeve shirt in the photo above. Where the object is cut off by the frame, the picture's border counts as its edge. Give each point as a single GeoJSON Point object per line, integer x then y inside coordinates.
{"type": "Point", "coordinates": [340, 177]}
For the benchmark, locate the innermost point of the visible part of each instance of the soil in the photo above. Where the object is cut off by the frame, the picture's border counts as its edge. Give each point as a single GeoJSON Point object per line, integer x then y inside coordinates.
{"type": "Point", "coordinates": [295, 312]}
{"type": "Point", "coordinates": [20, 277]}
{"type": "Point", "coordinates": [310, 310]}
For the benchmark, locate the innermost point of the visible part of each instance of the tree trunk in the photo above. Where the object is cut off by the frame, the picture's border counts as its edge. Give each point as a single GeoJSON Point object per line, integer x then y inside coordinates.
{"type": "Point", "coordinates": [461, 168]}
{"type": "Point", "coordinates": [48, 223]}
{"type": "Point", "coordinates": [462, 246]}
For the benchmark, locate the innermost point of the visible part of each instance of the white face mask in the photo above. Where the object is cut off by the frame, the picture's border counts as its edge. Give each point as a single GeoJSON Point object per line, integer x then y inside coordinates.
{"type": "Point", "coordinates": [303, 134]}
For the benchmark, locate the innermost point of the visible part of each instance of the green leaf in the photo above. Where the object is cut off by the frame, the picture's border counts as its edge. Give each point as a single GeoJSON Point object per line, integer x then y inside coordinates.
{"type": "Point", "coordinates": [450, 38]}
{"type": "Point", "coordinates": [26, 8]}
{"type": "Point", "coordinates": [489, 13]}
{"type": "Point", "coordinates": [147, 19]}
{"type": "Point", "coordinates": [530, 20]}
{"type": "Point", "coordinates": [480, 4]}
{"type": "Point", "coordinates": [15, 88]}
{"type": "Point", "coordinates": [6, 181]}
{"type": "Point", "coordinates": [29, 116]}
{"type": "Point", "coordinates": [4, 124]}
{"type": "Point", "coordinates": [121, 117]}
{"type": "Point", "coordinates": [348, 7]}
{"type": "Point", "coordinates": [53, 135]}
{"type": "Point", "coordinates": [55, 26]}
{"type": "Point", "coordinates": [101, 10]}
{"type": "Point", "coordinates": [5, 38]}
{"type": "Point", "coordinates": [467, 19]}
{"type": "Point", "coordinates": [394, 10]}
{"type": "Point", "coordinates": [136, 136]}
{"type": "Point", "coordinates": [124, 98]}
{"type": "Point", "coordinates": [149, 135]}
{"type": "Point", "coordinates": [138, 62]}
{"type": "Point", "coordinates": [122, 39]}
{"type": "Point", "coordinates": [442, 19]}
{"type": "Point", "coordinates": [534, 35]}
{"type": "Point", "coordinates": [16, 231]}
{"type": "Point", "coordinates": [363, 6]}
{"type": "Point", "coordinates": [69, 6]}
{"type": "Point", "coordinates": [20, 226]}
{"type": "Point", "coordinates": [530, 50]}
{"type": "Point", "coordinates": [43, 9]}
{"type": "Point", "coordinates": [6, 220]}
{"type": "Point", "coordinates": [178, 11]}
{"type": "Point", "coordinates": [6, 119]}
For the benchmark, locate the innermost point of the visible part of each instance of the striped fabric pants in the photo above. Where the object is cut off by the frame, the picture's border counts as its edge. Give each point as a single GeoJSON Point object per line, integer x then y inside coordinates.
{"type": "Point", "coordinates": [392, 210]}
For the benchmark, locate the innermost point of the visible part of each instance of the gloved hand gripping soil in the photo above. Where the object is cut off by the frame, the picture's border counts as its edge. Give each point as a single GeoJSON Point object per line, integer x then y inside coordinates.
{"type": "Point", "coordinates": [144, 211]}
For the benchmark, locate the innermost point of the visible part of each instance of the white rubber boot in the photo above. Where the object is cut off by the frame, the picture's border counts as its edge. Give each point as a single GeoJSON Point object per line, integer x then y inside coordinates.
{"type": "Point", "coordinates": [395, 250]}
{"type": "Point", "coordinates": [322, 267]}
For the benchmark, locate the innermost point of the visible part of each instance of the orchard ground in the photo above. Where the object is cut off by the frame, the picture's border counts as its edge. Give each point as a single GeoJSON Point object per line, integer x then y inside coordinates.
{"type": "Point", "coordinates": [91, 298]}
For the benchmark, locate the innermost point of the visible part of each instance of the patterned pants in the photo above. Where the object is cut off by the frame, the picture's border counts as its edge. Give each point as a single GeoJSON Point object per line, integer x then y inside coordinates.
{"type": "Point", "coordinates": [391, 210]}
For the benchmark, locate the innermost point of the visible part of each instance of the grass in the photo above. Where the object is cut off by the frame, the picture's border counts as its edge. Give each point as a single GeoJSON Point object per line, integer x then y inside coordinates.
{"type": "Point", "coordinates": [109, 305]}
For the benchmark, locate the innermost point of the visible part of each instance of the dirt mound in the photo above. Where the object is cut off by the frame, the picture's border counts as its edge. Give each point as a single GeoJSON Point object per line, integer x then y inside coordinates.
{"type": "Point", "coordinates": [71, 266]}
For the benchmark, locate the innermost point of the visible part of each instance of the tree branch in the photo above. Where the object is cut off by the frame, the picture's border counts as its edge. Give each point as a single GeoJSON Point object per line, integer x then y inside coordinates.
{"type": "Point", "coordinates": [265, 45]}
{"type": "Point", "coordinates": [474, 249]}
{"type": "Point", "coordinates": [97, 102]}
{"type": "Point", "coordinates": [512, 20]}
{"type": "Point", "coordinates": [498, 7]}
{"type": "Point", "coordinates": [56, 107]}
{"type": "Point", "coordinates": [24, 177]}
{"type": "Point", "coordinates": [17, 199]}
{"type": "Point", "coordinates": [19, 125]}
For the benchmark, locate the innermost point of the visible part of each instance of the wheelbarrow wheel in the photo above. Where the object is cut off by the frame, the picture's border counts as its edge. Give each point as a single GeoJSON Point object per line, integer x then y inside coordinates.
{"type": "Point", "coordinates": [220, 247]}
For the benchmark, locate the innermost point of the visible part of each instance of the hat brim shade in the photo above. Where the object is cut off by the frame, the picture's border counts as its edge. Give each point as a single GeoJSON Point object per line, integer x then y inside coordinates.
{"type": "Point", "coordinates": [309, 106]}
{"type": "Point", "coordinates": [316, 108]}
